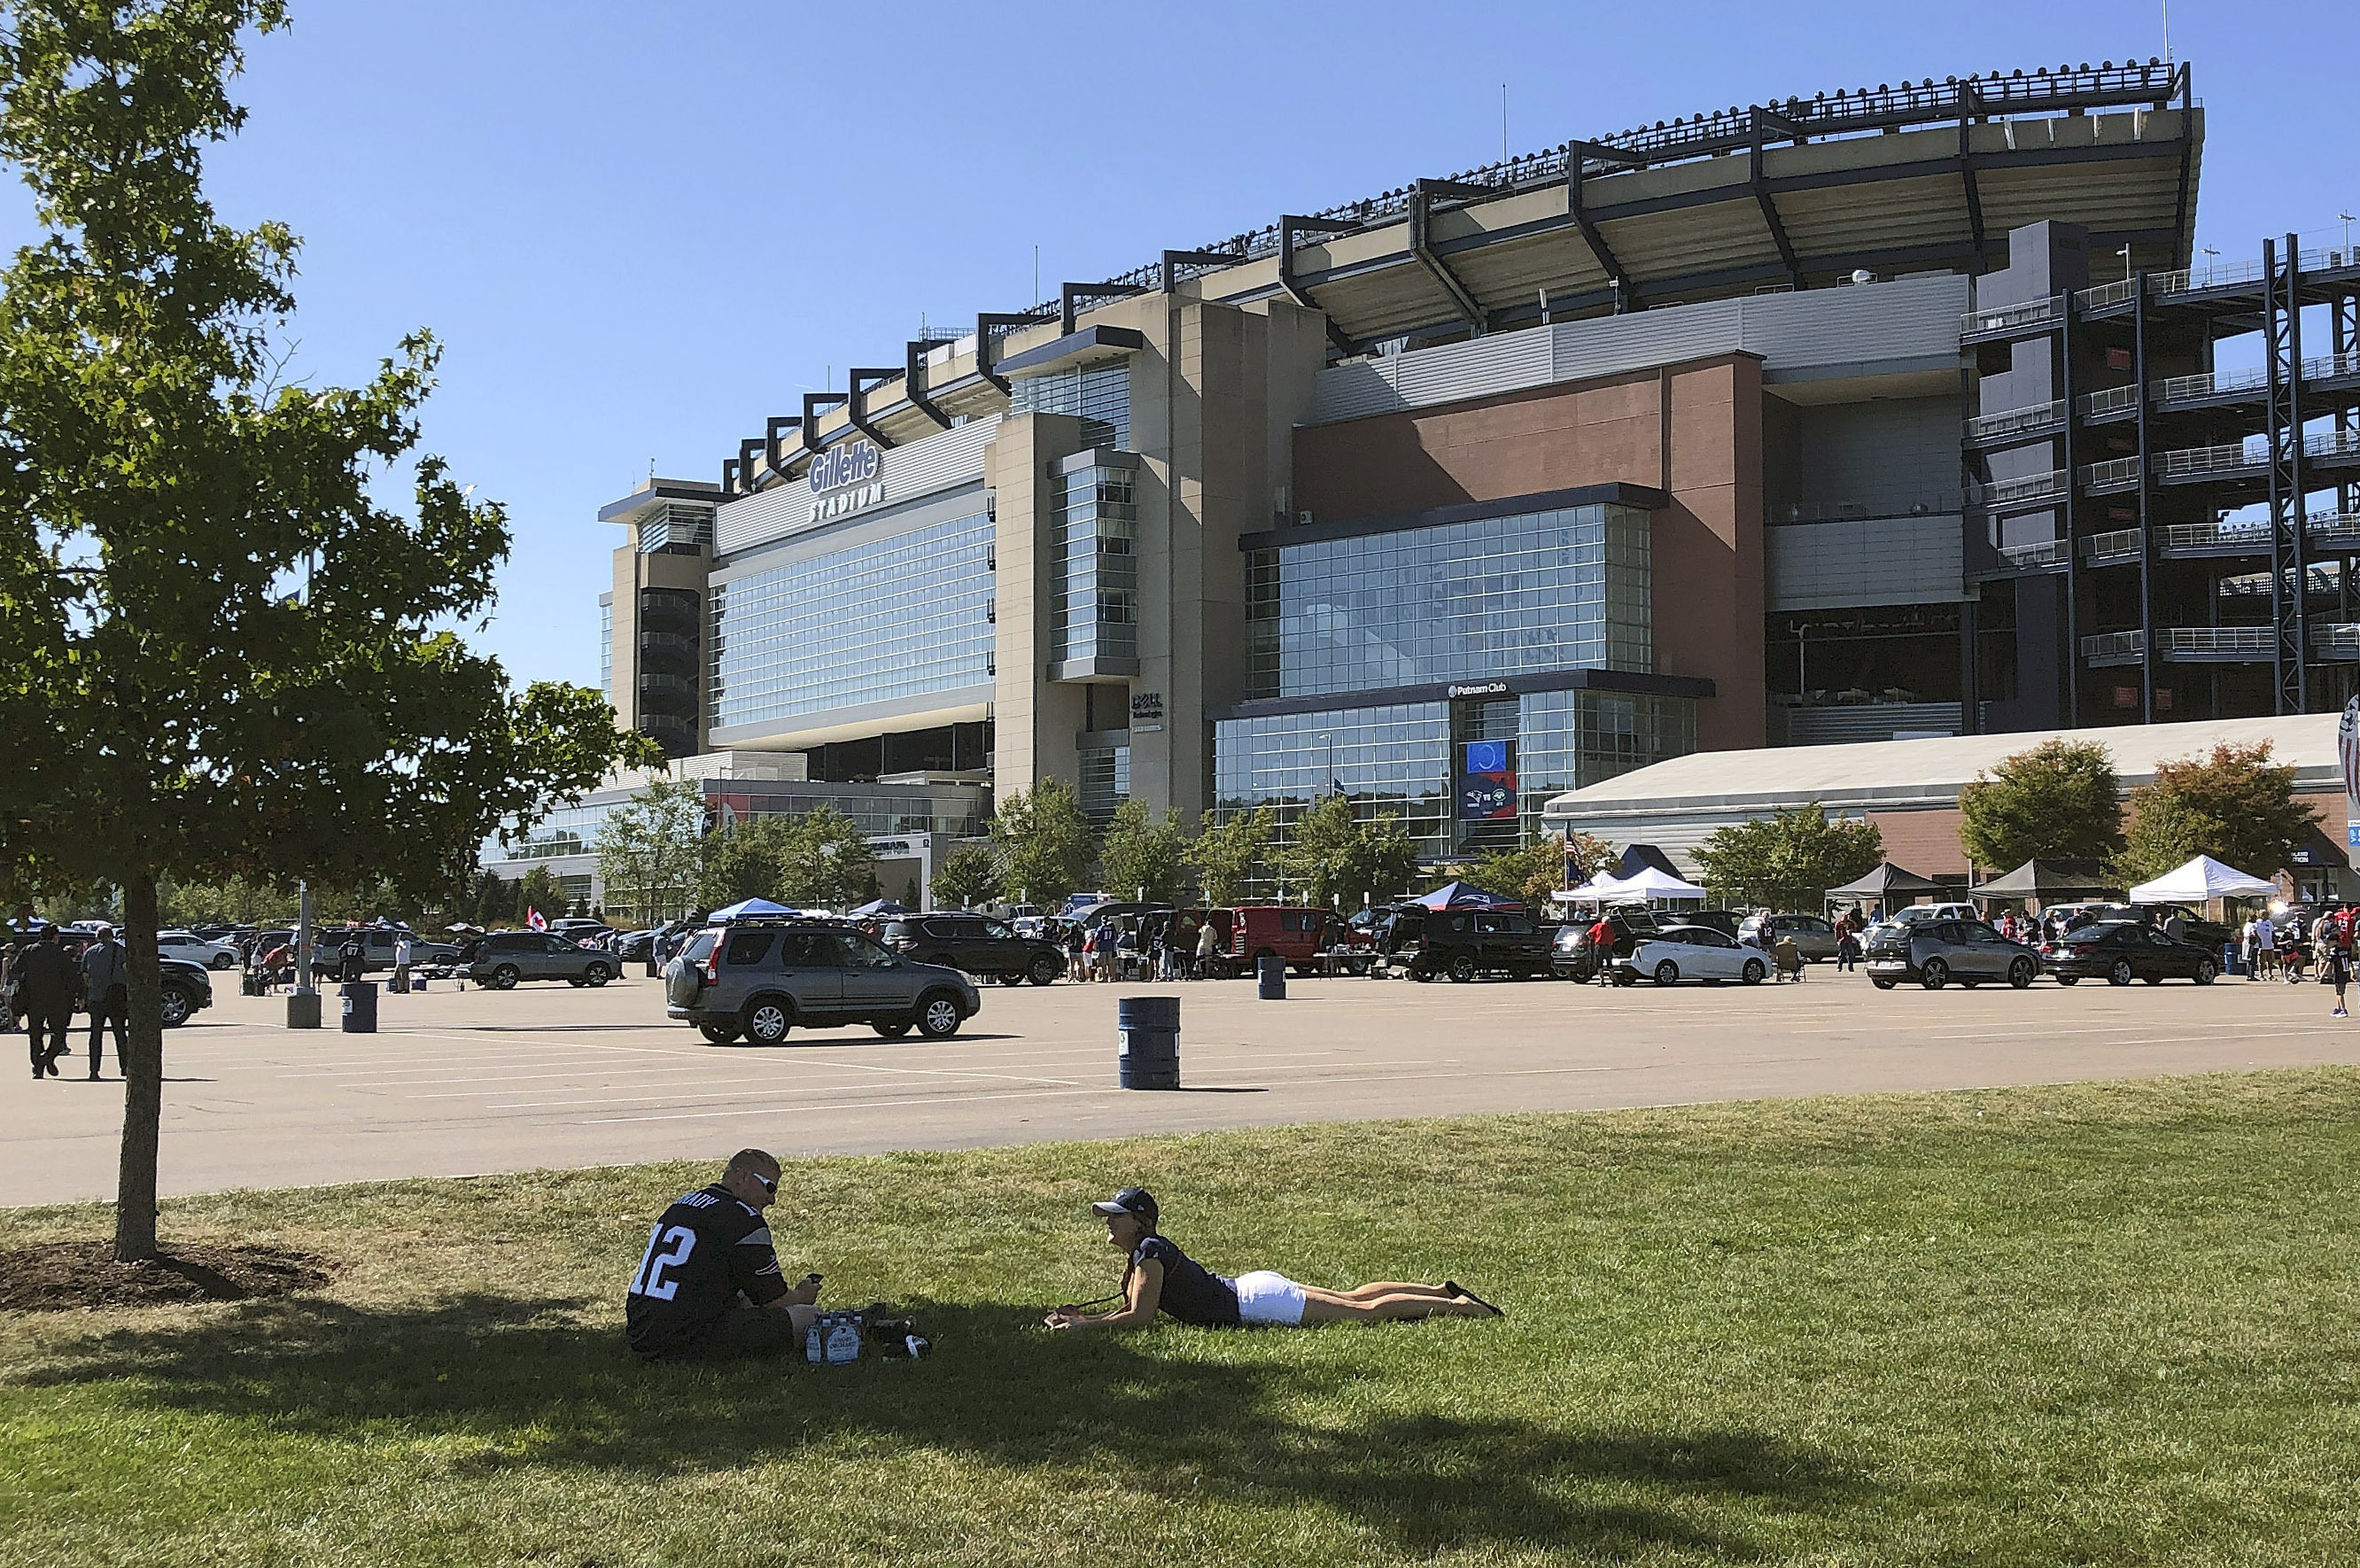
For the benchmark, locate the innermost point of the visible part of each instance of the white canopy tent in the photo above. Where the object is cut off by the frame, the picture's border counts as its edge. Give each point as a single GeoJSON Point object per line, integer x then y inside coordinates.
{"type": "Point", "coordinates": [2200, 880]}
{"type": "Point", "coordinates": [1648, 885]}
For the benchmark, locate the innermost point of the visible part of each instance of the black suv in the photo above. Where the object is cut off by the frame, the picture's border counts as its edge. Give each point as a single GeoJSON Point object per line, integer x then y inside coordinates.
{"type": "Point", "coordinates": [978, 944]}
{"type": "Point", "coordinates": [1570, 952]}
{"type": "Point", "coordinates": [1463, 943]}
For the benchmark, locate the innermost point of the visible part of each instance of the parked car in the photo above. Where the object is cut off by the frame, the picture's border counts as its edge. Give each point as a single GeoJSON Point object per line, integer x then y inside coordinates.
{"type": "Point", "coordinates": [633, 947]}
{"type": "Point", "coordinates": [1297, 933]}
{"type": "Point", "coordinates": [1813, 938]}
{"type": "Point", "coordinates": [378, 945]}
{"type": "Point", "coordinates": [505, 958]}
{"type": "Point", "coordinates": [2193, 925]}
{"type": "Point", "coordinates": [188, 991]}
{"type": "Point", "coordinates": [1935, 953]}
{"type": "Point", "coordinates": [1570, 956]}
{"type": "Point", "coordinates": [197, 949]}
{"type": "Point", "coordinates": [1463, 943]}
{"type": "Point", "coordinates": [579, 929]}
{"type": "Point", "coordinates": [2123, 951]}
{"type": "Point", "coordinates": [761, 979]}
{"type": "Point", "coordinates": [1725, 921]}
{"type": "Point", "coordinates": [978, 944]}
{"type": "Point", "coordinates": [1692, 953]}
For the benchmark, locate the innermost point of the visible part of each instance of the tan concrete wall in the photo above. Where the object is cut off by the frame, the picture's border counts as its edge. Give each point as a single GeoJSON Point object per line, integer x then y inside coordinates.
{"type": "Point", "coordinates": [1034, 720]}
{"type": "Point", "coordinates": [1693, 429]}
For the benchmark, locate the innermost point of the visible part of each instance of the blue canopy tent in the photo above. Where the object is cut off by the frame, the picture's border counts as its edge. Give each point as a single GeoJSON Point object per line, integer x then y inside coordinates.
{"type": "Point", "coordinates": [1464, 895]}
{"type": "Point", "coordinates": [887, 908]}
{"type": "Point", "coordinates": [748, 908]}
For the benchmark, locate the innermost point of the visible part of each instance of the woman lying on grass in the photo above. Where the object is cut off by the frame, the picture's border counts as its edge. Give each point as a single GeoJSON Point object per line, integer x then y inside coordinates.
{"type": "Point", "coordinates": [1162, 1278]}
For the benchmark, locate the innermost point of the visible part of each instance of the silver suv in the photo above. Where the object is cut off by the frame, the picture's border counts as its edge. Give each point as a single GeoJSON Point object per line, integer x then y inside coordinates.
{"type": "Point", "coordinates": [504, 958]}
{"type": "Point", "coordinates": [762, 980]}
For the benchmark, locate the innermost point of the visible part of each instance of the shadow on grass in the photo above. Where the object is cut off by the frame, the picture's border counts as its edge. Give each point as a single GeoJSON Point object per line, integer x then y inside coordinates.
{"type": "Point", "coordinates": [532, 1386]}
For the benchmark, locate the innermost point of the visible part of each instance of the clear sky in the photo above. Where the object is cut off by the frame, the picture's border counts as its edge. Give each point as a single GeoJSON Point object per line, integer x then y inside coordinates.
{"type": "Point", "coordinates": [639, 228]}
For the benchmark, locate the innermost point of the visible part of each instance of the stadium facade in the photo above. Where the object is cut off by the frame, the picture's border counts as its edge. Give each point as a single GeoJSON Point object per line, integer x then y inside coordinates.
{"type": "Point", "coordinates": [1881, 412]}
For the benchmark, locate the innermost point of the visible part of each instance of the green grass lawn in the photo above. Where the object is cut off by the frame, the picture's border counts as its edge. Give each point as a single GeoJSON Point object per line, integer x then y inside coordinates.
{"type": "Point", "coordinates": [2102, 1324]}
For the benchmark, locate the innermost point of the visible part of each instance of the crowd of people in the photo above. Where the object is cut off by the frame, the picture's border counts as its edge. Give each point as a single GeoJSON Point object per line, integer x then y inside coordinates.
{"type": "Point", "coordinates": [43, 983]}
{"type": "Point", "coordinates": [1159, 946]}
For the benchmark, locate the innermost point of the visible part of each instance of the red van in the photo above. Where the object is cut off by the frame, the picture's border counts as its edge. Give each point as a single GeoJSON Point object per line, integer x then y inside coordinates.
{"type": "Point", "coordinates": [1297, 933]}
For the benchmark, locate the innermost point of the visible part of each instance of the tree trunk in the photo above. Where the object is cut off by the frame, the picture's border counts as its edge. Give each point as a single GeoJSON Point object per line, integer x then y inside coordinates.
{"type": "Point", "coordinates": [143, 1077]}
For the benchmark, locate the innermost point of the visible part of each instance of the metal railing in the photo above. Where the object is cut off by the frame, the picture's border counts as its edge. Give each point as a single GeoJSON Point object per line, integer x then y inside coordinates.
{"type": "Point", "coordinates": [2338, 637]}
{"type": "Point", "coordinates": [2009, 318]}
{"type": "Point", "coordinates": [2024, 487]}
{"type": "Point", "coordinates": [2241, 536]}
{"type": "Point", "coordinates": [2257, 584]}
{"type": "Point", "coordinates": [2114, 645]}
{"type": "Point", "coordinates": [2107, 295]}
{"type": "Point", "coordinates": [667, 642]}
{"type": "Point", "coordinates": [2113, 470]}
{"type": "Point", "coordinates": [2189, 462]}
{"type": "Point", "coordinates": [2046, 552]}
{"type": "Point", "coordinates": [2111, 400]}
{"type": "Point", "coordinates": [2009, 421]}
{"type": "Point", "coordinates": [1861, 511]}
{"type": "Point", "coordinates": [654, 683]}
{"type": "Point", "coordinates": [2101, 550]}
{"type": "Point", "coordinates": [2333, 529]}
{"type": "Point", "coordinates": [2216, 641]}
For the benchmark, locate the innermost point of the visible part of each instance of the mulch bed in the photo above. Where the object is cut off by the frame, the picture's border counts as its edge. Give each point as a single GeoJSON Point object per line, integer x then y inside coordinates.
{"type": "Point", "coordinates": [61, 1276]}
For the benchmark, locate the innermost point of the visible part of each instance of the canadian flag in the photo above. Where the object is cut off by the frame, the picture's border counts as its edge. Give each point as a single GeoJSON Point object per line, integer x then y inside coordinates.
{"type": "Point", "coordinates": [532, 918]}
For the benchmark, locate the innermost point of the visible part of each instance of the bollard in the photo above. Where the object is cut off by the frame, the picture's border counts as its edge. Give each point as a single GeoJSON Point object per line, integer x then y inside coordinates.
{"type": "Point", "coordinates": [1149, 1030]}
{"type": "Point", "coordinates": [360, 1006]}
{"type": "Point", "coordinates": [304, 1009]}
{"type": "Point", "coordinates": [1272, 971]}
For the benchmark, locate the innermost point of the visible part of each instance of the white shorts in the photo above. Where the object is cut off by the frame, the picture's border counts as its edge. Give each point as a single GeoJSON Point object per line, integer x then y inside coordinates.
{"type": "Point", "coordinates": [1268, 1299]}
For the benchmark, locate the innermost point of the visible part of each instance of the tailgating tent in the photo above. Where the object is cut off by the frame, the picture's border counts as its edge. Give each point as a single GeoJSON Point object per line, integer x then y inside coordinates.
{"type": "Point", "coordinates": [1649, 883]}
{"type": "Point", "coordinates": [886, 907]}
{"type": "Point", "coordinates": [748, 908]}
{"type": "Point", "coordinates": [2200, 879]}
{"type": "Point", "coordinates": [1884, 883]}
{"type": "Point", "coordinates": [1464, 895]}
{"type": "Point", "coordinates": [1599, 888]}
{"type": "Point", "coordinates": [2050, 880]}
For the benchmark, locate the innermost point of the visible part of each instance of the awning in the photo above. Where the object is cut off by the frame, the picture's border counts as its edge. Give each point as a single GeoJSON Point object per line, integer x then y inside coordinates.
{"type": "Point", "coordinates": [2202, 878]}
{"type": "Point", "coordinates": [1885, 882]}
{"type": "Point", "coordinates": [2051, 879]}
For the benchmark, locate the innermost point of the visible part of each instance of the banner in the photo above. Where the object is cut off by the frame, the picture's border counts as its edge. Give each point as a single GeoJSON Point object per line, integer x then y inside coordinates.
{"type": "Point", "coordinates": [1487, 785]}
{"type": "Point", "coordinates": [2347, 752]}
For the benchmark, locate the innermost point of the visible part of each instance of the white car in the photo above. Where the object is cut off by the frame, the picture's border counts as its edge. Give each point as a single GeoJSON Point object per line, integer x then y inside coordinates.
{"type": "Point", "coordinates": [1696, 953]}
{"type": "Point", "coordinates": [196, 950]}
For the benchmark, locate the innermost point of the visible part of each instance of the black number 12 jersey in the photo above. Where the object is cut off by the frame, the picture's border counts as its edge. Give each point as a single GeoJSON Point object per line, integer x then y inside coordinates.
{"type": "Point", "coordinates": [707, 1247]}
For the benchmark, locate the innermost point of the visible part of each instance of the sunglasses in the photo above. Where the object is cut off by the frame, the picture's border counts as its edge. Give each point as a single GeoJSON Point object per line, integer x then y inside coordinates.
{"type": "Point", "coordinates": [770, 1183]}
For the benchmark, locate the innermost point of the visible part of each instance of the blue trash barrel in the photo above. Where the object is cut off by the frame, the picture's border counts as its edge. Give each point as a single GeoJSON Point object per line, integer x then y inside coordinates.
{"type": "Point", "coordinates": [360, 1006]}
{"type": "Point", "coordinates": [1149, 1029]}
{"type": "Point", "coordinates": [1272, 972]}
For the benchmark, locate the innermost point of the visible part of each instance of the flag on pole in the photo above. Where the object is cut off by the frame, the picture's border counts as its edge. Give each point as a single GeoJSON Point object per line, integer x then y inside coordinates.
{"type": "Point", "coordinates": [532, 918]}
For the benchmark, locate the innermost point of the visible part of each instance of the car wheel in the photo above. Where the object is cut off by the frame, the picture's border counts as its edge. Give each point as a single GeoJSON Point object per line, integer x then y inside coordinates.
{"type": "Point", "coordinates": [2120, 974]}
{"type": "Point", "coordinates": [1626, 977]}
{"type": "Point", "coordinates": [938, 1017]}
{"type": "Point", "coordinates": [893, 1030]}
{"type": "Point", "coordinates": [178, 1005]}
{"type": "Point", "coordinates": [1462, 968]}
{"type": "Point", "coordinates": [1667, 973]}
{"type": "Point", "coordinates": [1045, 971]}
{"type": "Point", "coordinates": [2205, 971]}
{"type": "Point", "coordinates": [1881, 983]}
{"type": "Point", "coordinates": [1420, 973]}
{"type": "Point", "coordinates": [2020, 972]}
{"type": "Point", "coordinates": [768, 1020]}
{"type": "Point", "coordinates": [598, 975]}
{"type": "Point", "coordinates": [506, 976]}
{"type": "Point", "coordinates": [224, 961]}
{"type": "Point", "coordinates": [2068, 979]}
{"type": "Point", "coordinates": [1752, 972]}
{"type": "Point", "coordinates": [718, 1034]}
{"type": "Point", "coordinates": [1935, 975]}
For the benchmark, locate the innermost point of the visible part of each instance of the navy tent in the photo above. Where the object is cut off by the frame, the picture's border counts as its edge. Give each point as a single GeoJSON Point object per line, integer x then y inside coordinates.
{"type": "Point", "coordinates": [1464, 895]}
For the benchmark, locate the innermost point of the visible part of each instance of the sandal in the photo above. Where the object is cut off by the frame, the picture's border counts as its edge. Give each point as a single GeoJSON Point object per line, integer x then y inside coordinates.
{"type": "Point", "coordinates": [1456, 1289]}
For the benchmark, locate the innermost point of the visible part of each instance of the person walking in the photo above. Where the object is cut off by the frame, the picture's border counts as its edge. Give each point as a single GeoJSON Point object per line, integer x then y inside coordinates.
{"type": "Point", "coordinates": [1206, 940]}
{"type": "Point", "coordinates": [45, 988]}
{"type": "Point", "coordinates": [105, 983]}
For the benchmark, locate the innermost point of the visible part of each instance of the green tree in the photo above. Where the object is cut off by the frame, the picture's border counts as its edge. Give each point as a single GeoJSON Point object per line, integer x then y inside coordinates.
{"type": "Point", "coordinates": [241, 900]}
{"type": "Point", "coordinates": [1138, 852]}
{"type": "Point", "coordinates": [2059, 800]}
{"type": "Point", "coordinates": [824, 860]}
{"type": "Point", "coordinates": [652, 850]}
{"type": "Point", "coordinates": [1335, 858]}
{"type": "Point", "coordinates": [745, 859]}
{"type": "Point", "coordinates": [538, 892]}
{"type": "Point", "coordinates": [1538, 868]}
{"type": "Point", "coordinates": [1227, 854]}
{"type": "Point", "coordinates": [971, 875]}
{"type": "Point", "coordinates": [1790, 860]}
{"type": "Point", "coordinates": [1043, 843]}
{"type": "Point", "coordinates": [221, 655]}
{"type": "Point", "coordinates": [2236, 805]}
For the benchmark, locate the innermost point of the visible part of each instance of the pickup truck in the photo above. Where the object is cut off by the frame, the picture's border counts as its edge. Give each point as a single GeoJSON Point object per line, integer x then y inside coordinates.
{"type": "Point", "coordinates": [1463, 943]}
{"type": "Point", "coordinates": [378, 945]}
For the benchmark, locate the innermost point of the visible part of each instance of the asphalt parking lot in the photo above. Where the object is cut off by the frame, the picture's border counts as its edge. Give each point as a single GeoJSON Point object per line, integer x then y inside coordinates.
{"type": "Point", "coordinates": [548, 1075]}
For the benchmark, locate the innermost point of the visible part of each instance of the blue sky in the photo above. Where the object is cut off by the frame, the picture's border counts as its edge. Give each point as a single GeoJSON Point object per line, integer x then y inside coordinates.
{"type": "Point", "coordinates": [640, 228]}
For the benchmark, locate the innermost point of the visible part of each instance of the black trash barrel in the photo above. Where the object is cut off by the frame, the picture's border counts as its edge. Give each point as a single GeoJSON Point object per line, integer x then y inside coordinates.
{"type": "Point", "coordinates": [360, 1006]}
{"type": "Point", "coordinates": [1149, 1029]}
{"type": "Point", "coordinates": [1272, 971]}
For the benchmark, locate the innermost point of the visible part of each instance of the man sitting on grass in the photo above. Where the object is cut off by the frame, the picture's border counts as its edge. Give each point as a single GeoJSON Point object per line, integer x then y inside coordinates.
{"type": "Point", "coordinates": [711, 1250]}
{"type": "Point", "coordinates": [1161, 1278]}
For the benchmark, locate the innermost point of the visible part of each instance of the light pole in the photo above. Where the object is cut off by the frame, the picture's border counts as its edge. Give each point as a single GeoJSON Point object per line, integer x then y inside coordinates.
{"type": "Point", "coordinates": [303, 1007]}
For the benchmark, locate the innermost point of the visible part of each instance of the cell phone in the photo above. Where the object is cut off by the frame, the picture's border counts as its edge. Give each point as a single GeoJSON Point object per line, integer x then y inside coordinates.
{"type": "Point", "coordinates": [814, 1278]}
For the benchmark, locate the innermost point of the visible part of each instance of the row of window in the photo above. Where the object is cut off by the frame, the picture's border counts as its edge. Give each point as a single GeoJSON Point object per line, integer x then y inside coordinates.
{"type": "Point", "coordinates": [1095, 567]}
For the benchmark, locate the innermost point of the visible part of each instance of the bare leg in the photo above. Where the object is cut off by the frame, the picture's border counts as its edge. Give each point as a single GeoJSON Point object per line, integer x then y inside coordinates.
{"type": "Point", "coordinates": [1393, 1288]}
{"type": "Point", "coordinates": [1328, 1306]}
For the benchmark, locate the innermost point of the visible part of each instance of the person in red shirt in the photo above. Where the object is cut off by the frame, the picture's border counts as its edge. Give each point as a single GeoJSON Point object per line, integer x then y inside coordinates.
{"type": "Point", "coordinates": [1601, 950]}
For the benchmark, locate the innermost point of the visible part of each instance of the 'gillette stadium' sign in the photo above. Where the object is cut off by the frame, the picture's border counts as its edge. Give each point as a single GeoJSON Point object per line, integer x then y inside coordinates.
{"type": "Point", "coordinates": [845, 479]}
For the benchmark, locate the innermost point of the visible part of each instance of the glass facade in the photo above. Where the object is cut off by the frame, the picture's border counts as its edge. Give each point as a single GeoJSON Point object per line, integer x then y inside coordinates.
{"type": "Point", "coordinates": [1473, 601]}
{"type": "Point", "coordinates": [1393, 759]}
{"type": "Point", "coordinates": [1567, 740]}
{"type": "Point", "coordinates": [1105, 782]}
{"type": "Point", "coordinates": [1099, 396]}
{"type": "Point", "coordinates": [606, 646]}
{"type": "Point", "coordinates": [1095, 570]}
{"type": "Point", "coordinates": [895, 618]}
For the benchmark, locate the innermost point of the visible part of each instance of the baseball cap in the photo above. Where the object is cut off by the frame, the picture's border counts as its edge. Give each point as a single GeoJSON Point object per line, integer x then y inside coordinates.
{"type": "Point", "coordinates": [1137, 1201]}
